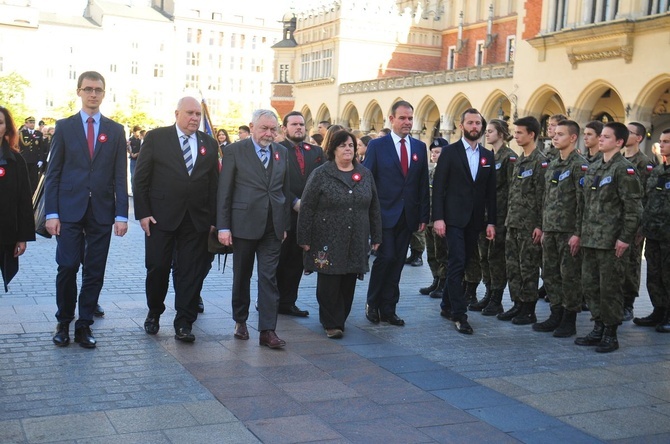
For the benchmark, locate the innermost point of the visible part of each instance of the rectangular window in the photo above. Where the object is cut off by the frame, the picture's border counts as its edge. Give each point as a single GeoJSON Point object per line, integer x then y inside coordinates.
{"type": "Point", "coordinates": [212, 37]}
{"type": "Point", "coordinates": [192, 81]}
{"type": "Point", "coordinates": [134, 68]}
{"type": "Point", "coordinates": [511, 47]}
{"type": "Point", "coordinates": [158, 70]}
{"type": "Point", "coordinates": [451, 57]}
{"type": "Point", "coordinates": [327, 56]}
{"type": "Point", "coordinates": [283, 73]}
{"type": "Point", "coordinates": [233, 39]}
{"type": "Point", "coordinates": [192, 58]}
{"type": "Point", "coordinates": [221, 38]}
{"type": "Point", "coordinates": [242, 41]}
{"type": "Point", "coordinates": [112, 67]}
{"type": "Point", "coordinates": [189, 35]}
{"type": "Point", "coordinates": [72, 73]}
{"type": "Point", "coordinates": [479, 53]}
{"type": "Point", "coordinates": [253, 42]}
{"type": "Point", "coordinates": [199, 36]}
{"type": "Point", "coordinates": [216, 16]}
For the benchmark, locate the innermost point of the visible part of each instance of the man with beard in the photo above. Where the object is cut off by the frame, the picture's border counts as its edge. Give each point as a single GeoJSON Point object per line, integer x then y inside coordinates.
{"type": "Point", "coordinates": [464, 204]}
{"type": "Point", "coordinates": [303, 158]}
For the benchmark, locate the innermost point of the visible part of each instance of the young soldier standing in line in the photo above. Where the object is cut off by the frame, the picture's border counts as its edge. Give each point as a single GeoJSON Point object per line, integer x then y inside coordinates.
{"type": "Point", "coordinates": [643, 166]}
{"type": "Point", "coordinates": [656, 228]}
{"type": "Point", "coordinates": [592, 132]}
{"type": "Point", "coordinates": [524, 224]}
{"type": "Point", "coordinates": [561, 231]}
{"type": "Point", "coordinates": [612, 211]}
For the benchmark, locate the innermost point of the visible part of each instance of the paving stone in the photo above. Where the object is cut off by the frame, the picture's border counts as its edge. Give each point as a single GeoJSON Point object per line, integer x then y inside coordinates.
{"type": "Point", "coordinates": [151, 418]}
{"type": "Point", "coordinates": [437, 379]}
{"type": "Point", "coordinates": [431, 413]}
{"type": "Point", "coordinates": [233, 433]}
{"type": "Point", "coordinates": [347, 410]}
{"type": "Point", "coordinates": [555, 435]}
{"type": "Point", "coordinates": [264, 406]}
{"type": "Point", "coordinates": [11, 432]}
{"type": "Point", "coordinates": [380, 431]}
{"type": "Point", "coordinates": [67, 427]}
{"type": "Point", "coordinates": [517, 417]}
{"type": "Point", "coordinates": [292, 429]}
{"type": "Point", "coordinates": [620, 423]}
{"type": "Point", "coordinates": [475, 432]}
{"type": "Point", "coordinates": [473, 397]}
{"type": "Point", "coordinates": [321, 390]}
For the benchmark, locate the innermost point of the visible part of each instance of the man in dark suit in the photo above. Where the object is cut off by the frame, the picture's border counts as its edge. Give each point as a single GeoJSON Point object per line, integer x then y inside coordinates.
{"type": "Point", "coordinates": [464, 204]}
{"type": "Point", "coordinates": [174, 190]}
{"type": "Point", "coordinates": [399, 164]}
{"type": "Point", "coordinates": [303, 158]}
{"type": "Point", "coordinates": [85, 194]}
{"type": "Point", "coordinates": [254, 214]}
{"type": "Point", "coordinates": [33, 150]}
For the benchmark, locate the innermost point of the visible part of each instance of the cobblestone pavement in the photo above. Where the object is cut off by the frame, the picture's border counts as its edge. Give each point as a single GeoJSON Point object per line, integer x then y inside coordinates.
{"type": "Point", "coordinates": [420, 383]}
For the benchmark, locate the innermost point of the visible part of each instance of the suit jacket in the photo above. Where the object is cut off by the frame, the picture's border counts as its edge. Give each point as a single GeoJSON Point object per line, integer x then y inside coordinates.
{"type": "Point", "coordinates": [246, 192]}
{"type": "Point", "coordinates": [33, 146]}
{"type": "Point", "coordinates": [162, 187]}
{"type": "Point", "coordinates": [459, 200]}
{"type": "Point", "coordinates": [313, 156]}
{"type": "Point", "coordinates": [73, 178]}
{"type": "Point", "coordinates": [397, 192]}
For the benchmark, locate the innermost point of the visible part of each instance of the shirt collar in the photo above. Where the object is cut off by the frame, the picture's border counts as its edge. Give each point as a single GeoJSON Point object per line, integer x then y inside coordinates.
{"type": "Point", "coordinates": [84, 116]}
{"type": "Point", "coordinates": [258, 147]}
{"type": "Point", "coordinates": [396, 138]}
{"type": "Point", "coordinates": [467, 145]}
{"type": "Point", "coordinates": [181, 134]}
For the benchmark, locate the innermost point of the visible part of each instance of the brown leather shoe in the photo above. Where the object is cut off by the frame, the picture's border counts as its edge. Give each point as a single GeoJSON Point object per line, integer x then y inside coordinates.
{"type": "Point", "coordinates": [241, 331]}
{"type": "Point", "coordinates": [270, 339]}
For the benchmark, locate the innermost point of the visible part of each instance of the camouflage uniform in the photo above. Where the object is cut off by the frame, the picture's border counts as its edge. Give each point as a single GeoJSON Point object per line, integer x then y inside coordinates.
{"type": "Point", "coordinates": [612, 211]}
{"type": "Point", "coordinates": [597, 156]}
{"type": "Point", "coordinates": [436, 246]}
{"type": "Point", "coordinates": [524, 215]}
{"type": "Point", "coordinates": [562, 219]}
{"type": "Point", "coordinates": [631, 284]}
{"type": "Point", "coordinates": [492, 253]}
{"type": "Point", "coordinates": [656, 228]}
{"type": "Point", "coordinates": [551, 153]}
{"type": "Point", "coordinates": [417, 242]}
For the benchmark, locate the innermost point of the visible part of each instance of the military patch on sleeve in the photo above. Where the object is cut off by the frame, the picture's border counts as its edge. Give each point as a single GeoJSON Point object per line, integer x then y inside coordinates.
{"type": "Point", "coordinates": [630, 171]}
{"type": "Point", "coordinates": [650, 167]}
{"type": "Point", "coordinates": [585, 167]}
{"type": "Point", "coordinates": [526, 173]}
{"type": "Point", "coordinates": [581, 181]}
{"type": "Point", "coordinates": [667, 185]}
{"type": "Point", "coordinates": [565, 175]}
{"type": "Point", "coordinates": [545, 164]}
{"type": "Point", "coordinates": [605, 181]}
{"type": "Point", "coordinates": [498, 165]}
{"type": "Point", "coordinates": [512, 159]}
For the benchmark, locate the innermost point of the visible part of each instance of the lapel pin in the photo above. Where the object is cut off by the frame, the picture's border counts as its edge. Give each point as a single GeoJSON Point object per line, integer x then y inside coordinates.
{"type": "Point", "coordinates": [415, 158]}
{"type": "Point", "coordinates": [2, 172]}
{"type": "Point", "coordinates": [203, 151]}
{"type": "Point", "coordinates": [356, 177]}
{"type": "Point", "coordinates": [102, 138]}
{"type": "Point", "coordinates": [276, 155]}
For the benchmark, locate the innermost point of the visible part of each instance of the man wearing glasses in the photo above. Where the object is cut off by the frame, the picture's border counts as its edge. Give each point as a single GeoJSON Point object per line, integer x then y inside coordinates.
{"type": "Point", "coordinates": [86, 194]}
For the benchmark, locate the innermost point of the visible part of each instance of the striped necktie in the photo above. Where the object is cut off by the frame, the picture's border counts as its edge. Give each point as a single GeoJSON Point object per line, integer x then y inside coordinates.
{"type": "Point", "coordinates": [264, 157]}
{"type": "Point", "coordinates": [186, 151]}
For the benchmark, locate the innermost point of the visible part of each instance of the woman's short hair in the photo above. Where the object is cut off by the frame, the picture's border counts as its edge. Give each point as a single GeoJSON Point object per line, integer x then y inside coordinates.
{"type": "Point", "coordinates": [336, 139]}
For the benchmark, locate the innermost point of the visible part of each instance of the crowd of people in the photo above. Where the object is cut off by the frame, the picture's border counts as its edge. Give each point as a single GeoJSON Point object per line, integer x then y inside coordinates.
{"type": "Point", "coordinates": [295, 207]}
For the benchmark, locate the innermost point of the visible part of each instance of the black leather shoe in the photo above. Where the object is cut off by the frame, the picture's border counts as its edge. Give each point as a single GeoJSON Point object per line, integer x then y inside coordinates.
{"type": "Point", "coordinates": [62, 335]}
{"type": "Point", "coordinates": [201, 305]}
{"type": "Point", "coordinates": [294, 311]}
{"type": "Point", "coordinates": [84, 336]}
{"type": "Point", "coordinates": [372, 314]}
{"type": "Point", "coordinates": [462, 326]}
{"type": "Point", "coordinates": [99, 311]}
{"type": "Point", "coordinates": [445, 313]}
{"type": "Point", "coordinates": [184, 334]}
{"type": "Point", "coordinates": [417, 262]}
{"type": "Point", "coordinates": [393, 320]}
{"type": "Point", "coordinates": [151, 323]}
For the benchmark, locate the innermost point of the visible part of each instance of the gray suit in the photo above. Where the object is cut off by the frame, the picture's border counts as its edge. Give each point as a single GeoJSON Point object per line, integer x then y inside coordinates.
{"type": "Point", "coordinates": [253, 204]}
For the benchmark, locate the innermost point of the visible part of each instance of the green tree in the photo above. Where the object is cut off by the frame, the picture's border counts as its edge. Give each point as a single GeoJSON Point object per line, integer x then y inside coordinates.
{"type": "Point", "coordinates": [12, 95]}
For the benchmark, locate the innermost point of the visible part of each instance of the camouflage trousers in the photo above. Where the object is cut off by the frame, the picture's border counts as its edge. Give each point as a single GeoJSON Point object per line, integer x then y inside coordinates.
{"type": "Point", "coordinates": [657, 254]}
{"type": "Point", "coordinates": [633, 269]}
{"type": "Point", "coordinates": [473, 269]}
{"type": "Point", "coordinates": [522, 259]}
{"type": "Point", "coordinates": [417, 242]}
{"type": "Point", "coordinates": [492, 260]}
{"type": "Point", "coordinates": [602, 277]}
{"type": "Point", "coordinates": [436, 251]}
{"type": "Point", "coordinates": [561, 271]}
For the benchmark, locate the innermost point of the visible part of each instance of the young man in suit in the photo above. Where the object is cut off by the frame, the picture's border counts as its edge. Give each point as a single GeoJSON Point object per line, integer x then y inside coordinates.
{"type": "Point", "coordinates": [85, 194]}
{"type": "Point", "coordinates": [399, 164]}
{"type": "Point", "coordinates": [253, 215]}
{"type": "Point", "coordinates": [464, 204]}
{"type": "Point", "coordinates": [174, 189]}
{"type": "Point", "coordinates": [303, 158]}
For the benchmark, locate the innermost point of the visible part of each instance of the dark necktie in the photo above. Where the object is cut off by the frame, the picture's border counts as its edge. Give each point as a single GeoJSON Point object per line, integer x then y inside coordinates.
{"type": "Point", "coordinates": [90, 136]}
{"type": "Point", "coordinates": [188, 157]}
{"type": "Point", "coordinates": [264, 157]}
{"type": "Point", "coordinates": [404, 161]}
{"type": "Point", "coordinates": [301, 159]}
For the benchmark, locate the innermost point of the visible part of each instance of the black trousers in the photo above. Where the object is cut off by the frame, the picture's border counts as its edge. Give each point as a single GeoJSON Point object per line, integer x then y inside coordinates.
{"type": "Point", "coordinates": [461, 243]}
{"type": "Point", "coordinates": [289, 270]}
{"type": "Point", "coordinates": [335, 294]}
{"type": "Point", "coordinates": [191, 264]}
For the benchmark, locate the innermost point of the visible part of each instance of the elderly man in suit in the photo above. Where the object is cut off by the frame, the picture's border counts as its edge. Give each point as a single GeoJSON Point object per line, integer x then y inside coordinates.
{"type": "Point", "coordinates": [174, 189]}
{"type": "Point", "coordinates": [303, 159]}
{"type": "Point", "coordinates": [464, 204]}
{"type": "Point", "coordinates": [399, 164]}
{"type": "Point", "coordinates": [85, 194]}
{"type": "Point", "coordinates": [254, 214]}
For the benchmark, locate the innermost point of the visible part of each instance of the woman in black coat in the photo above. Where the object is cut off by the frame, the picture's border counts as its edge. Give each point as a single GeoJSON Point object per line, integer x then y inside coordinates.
{"type": "Point", "coordinates": [17, 225]}
{"type": "Point", "coordinates": [339, 215]}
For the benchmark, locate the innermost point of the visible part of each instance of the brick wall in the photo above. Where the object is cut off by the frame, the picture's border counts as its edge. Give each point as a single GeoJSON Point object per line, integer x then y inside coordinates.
{"type": "Point", "coordinates": [532, 19]}
{"type": "Point", "coordinates": [403, 64]}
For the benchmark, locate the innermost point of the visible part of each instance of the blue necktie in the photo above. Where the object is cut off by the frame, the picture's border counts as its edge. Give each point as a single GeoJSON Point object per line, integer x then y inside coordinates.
{"type": "Point", "coordinates": [186, 151]}
{"type": "Point", "coordinates": [264, 157]}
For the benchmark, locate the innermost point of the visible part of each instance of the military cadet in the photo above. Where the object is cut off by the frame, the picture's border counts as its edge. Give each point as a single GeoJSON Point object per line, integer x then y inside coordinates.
{"type": "Point", "coordinates": [492, 253]}
{"type": "Point", "coordinates": [33, 149]}
{"type": "Point", "coordinates": [550, 151]}
{"type": "Point", "coordinates": [417, 244]}
{"type": "Point", "coordinates": [656, 228]}
{"type": "Point", "coordinates": [524, 224]}
{"type": "Point", "coordinates": [436, 247]}
{"type": "Point", "coordinates": [561, 231]}
{"type": "Point", "coordinates": [612, 212]}
{"type": "Point", "coordinates": [643, 166]}
{"type": "Point", "coordinates": [592, 132]}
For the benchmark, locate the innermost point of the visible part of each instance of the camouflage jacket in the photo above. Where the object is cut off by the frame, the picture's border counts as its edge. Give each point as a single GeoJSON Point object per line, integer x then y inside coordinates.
{"type": "Point", "coordinates": [526, 191]}
{"type": "Point", "coordinates": [597, 156]}
{"type": "Point", "coordinates": [612, 203]}
{"type": "Point", "coordinates": [563, 194]}
{"type": "Point", "coordinates": [643, 165]}
{"type": "Point", "coordinates": [551, 152]}
{"type": "Point", "coordinates": [505, 159]}
{"type": "Point", "coordinates": [656, 216]}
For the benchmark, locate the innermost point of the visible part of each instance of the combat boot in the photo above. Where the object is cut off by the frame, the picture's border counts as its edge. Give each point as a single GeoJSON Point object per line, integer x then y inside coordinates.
{"type": "Point", "coordinates": [479, 306]}
{"type": "Point", "coordinates": [429, 289]}
{"type": "Point", "coordinates": [553, 322]}
{"type": "Point", "coordinates": [664, 326]}
{"type": "Point", "coordinates": [527, 314]}
{"type": "Point", "coordinates": [470, 292]}
{"type": "Point", "coordinates": [568, 326]}
{"type": "Point", "coordinates": [594, 337]}
{"type": "Point", "coordinates": [655, 318]}
{"type": "Point", "coordinates": [610, 341]}
{"type": "Point", "coordinates": [439, 290]}
{"type": "Point", "coordinates": [495, 305]}
{"type": "Point", "coordinates": [512, 312]}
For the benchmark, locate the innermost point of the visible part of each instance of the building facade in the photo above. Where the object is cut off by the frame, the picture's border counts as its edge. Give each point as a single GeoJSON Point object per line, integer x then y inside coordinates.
{"type": "Point", "coordinates": [588, 59]}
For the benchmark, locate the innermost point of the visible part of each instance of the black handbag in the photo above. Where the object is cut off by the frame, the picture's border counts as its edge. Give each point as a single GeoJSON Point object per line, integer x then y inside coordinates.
{"type": "Point", "coordinates": [39, 209]}
{"type": "Point", "coordinates": [216, 247]}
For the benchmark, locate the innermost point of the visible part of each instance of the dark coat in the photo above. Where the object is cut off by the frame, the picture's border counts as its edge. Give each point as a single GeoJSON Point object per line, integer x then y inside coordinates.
{"type": "Point", "coordinates": [314, 158]}
{"type": "Point", "coordinates": [16, 218]}
{"type": "Point", "coordinates": [338, 221]}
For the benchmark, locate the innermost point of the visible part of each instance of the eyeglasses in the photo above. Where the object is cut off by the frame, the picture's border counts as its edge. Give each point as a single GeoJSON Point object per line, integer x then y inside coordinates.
{"type": "Point", "coordinates": [89, 90]}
